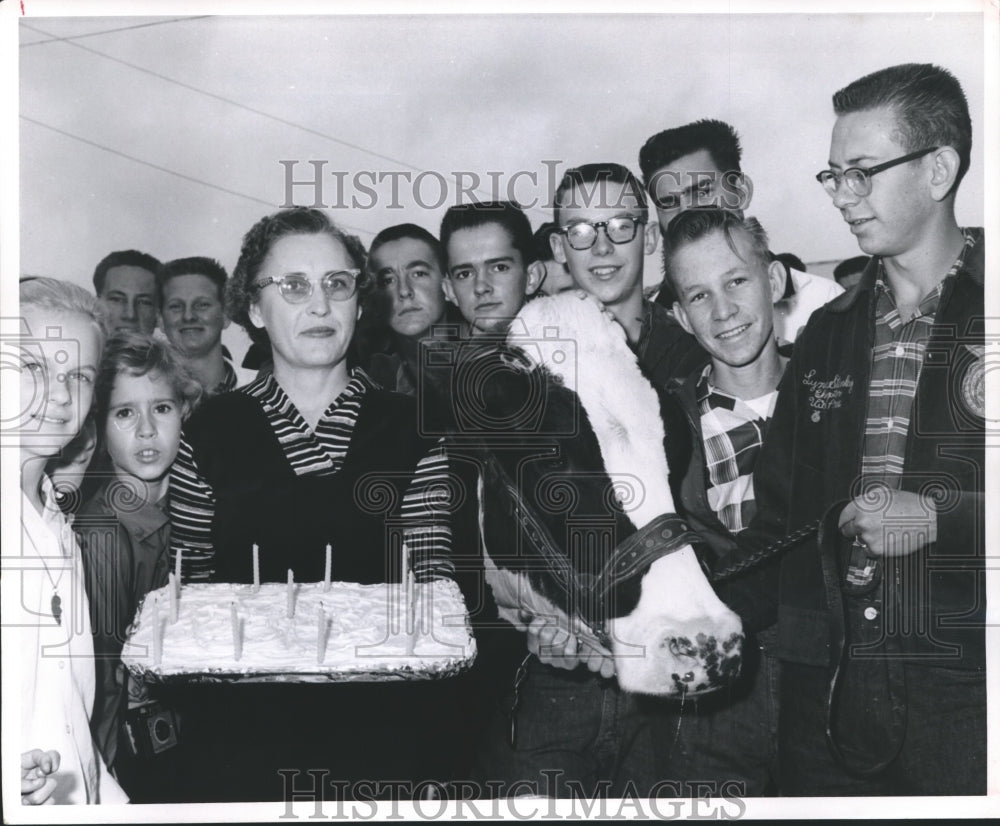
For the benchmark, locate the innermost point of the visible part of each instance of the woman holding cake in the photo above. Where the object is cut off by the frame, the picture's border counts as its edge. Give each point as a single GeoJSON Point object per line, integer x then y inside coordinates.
{"type": "Point", "coordinates": [312, 455]}
{"type": "Point", "coordinates": [267, 464]}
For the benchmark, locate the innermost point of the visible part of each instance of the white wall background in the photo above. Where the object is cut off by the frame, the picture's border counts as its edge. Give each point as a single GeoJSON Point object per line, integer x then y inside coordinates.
{"type": "Point", "coordinates": [166, 134]}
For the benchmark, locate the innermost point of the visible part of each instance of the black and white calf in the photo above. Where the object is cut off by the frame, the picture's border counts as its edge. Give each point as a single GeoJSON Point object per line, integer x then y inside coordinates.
{"type": "Point", "coordinates": [577, 512]}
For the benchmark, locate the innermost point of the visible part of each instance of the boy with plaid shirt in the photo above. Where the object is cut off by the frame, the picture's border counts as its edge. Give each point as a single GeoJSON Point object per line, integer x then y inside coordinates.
{"type": "Point", "coordinates": [719, 266]}
{"type": "Point", "coordinates": [881, 618]}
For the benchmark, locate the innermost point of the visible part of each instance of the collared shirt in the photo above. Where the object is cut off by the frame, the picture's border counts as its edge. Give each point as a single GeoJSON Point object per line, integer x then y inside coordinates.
{"type": "Point", "coordinates": [147, 526]}
{"type": "Point", "coordinates": [896, 361]}
{"type": "Point", "coordinates": [320, 451]}
{"type": "Point", "coordinates": [732, 432]}
{"type": "Point", "coordinates": [897, 358]}
{"type": "Point", "coordinates": [57, 658]}
{"type": "Point", "coordinates": [229, 379]}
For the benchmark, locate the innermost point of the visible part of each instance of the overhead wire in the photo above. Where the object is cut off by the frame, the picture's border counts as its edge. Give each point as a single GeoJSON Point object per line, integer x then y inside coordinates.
{"type": "Point", "coordinates": [57, 38]}
{"type": "Point", "coordinates": [248, 108]}
{"type": "Point", "coordinates": [168, 171]}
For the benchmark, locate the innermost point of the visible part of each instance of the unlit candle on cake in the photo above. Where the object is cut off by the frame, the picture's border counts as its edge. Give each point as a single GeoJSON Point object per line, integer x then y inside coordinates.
{"type": "Point", "coordinates": [411, 602]}
{"type": "Point", "coordinates": [411, 641]}
{"type": "Point", "coordinates": [411, 593]}
{"type": "Point", "coordinates": [256, 568]}
{"type": "Point", "coordinates": [290, 607]}
{"type": "Point", "coordinates": [320, 632]}
{"type": "Point", "coordinates": [404, 584]}
{"type": "Point", "coordinates": [271, 649]}
{"type": "Point", "coordinates": [237, 637]}
{"type": "Point", "coordinates": [326, 569]}
{"type": "Point", "coordinates": [174, 585]}
{"type": "Point", "coordinates": [177, 566]}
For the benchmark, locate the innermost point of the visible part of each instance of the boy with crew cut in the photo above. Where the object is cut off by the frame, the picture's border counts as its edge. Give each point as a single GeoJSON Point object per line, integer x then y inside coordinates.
{"type": "Point", "coordinates": [193, 313]}
{"type": "Point", "coordinates": [694, 166]}
{"type": "Point", "coordinates": [881, 621]}
{"type": "Point", "coordinates": [602, 236]}
{"type": "Point", "coordinates": [125, 281]}
{"type": "Point", "coordinates": [406, 306]}
{"type": "Point", "coordinates": [698, 165]}
{"type": "Point", "coordinates": [491, 269]}
{"type": "Point", "coordinates": [405, 316]}
{"type": "Point", "coordinates": [492, 266]}
{"type": "Point", "coordinates": [719, 267]}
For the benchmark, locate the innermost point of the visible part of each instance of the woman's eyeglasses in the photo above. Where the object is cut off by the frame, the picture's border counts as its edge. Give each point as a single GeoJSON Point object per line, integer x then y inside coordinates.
{"type": "Point", "coordinates": [294, 288]}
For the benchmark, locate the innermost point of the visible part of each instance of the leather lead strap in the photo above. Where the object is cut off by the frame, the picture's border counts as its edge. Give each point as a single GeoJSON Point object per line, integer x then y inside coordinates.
{"type": "Point", "coordinates": [746, 562]}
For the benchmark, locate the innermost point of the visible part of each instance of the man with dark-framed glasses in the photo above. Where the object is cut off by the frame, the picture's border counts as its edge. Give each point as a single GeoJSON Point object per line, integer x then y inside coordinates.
{"type": "Point", "coordinates": [879, 431]}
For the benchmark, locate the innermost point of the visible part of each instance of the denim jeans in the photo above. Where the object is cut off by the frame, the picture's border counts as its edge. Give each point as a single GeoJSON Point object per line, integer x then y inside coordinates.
{"type": "Point", "coordinates": [943, 751]}
{"type": "Point", "coordinates": [725, 742]}
{"type": "Point", "coordinates": [577, 735]}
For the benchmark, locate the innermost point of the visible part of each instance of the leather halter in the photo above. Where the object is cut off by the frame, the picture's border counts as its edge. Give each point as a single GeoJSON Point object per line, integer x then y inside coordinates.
{"type": "Point", "coordinates": [588, 594]}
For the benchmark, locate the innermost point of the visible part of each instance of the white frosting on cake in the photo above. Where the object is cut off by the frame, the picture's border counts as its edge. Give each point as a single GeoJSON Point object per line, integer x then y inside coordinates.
{"type": "Point", "coordinates": [366, 630]}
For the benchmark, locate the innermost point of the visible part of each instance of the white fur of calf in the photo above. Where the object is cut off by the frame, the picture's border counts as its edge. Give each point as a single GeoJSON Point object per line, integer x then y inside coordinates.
{"type": "Point", "coordinates": [621, 404]}
{"type": "Point", "coordinates": [680, 635]}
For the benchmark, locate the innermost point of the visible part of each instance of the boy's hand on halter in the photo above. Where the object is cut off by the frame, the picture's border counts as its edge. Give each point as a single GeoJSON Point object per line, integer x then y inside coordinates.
{"type": "Point", "coordinates": [551, 639]}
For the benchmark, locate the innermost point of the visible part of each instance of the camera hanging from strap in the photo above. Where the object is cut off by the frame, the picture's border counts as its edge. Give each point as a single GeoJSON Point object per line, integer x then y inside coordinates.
{"type": "Point", "coordinates": [866, 703]}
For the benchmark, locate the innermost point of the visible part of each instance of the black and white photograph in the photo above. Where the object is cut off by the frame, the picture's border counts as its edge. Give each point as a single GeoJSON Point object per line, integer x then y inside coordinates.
{"type": "Point", "coordinates": [526, 411]}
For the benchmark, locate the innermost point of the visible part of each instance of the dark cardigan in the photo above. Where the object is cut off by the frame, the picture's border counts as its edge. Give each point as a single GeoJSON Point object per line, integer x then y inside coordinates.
{"type": "Point", "coordinates": [260, 499]}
